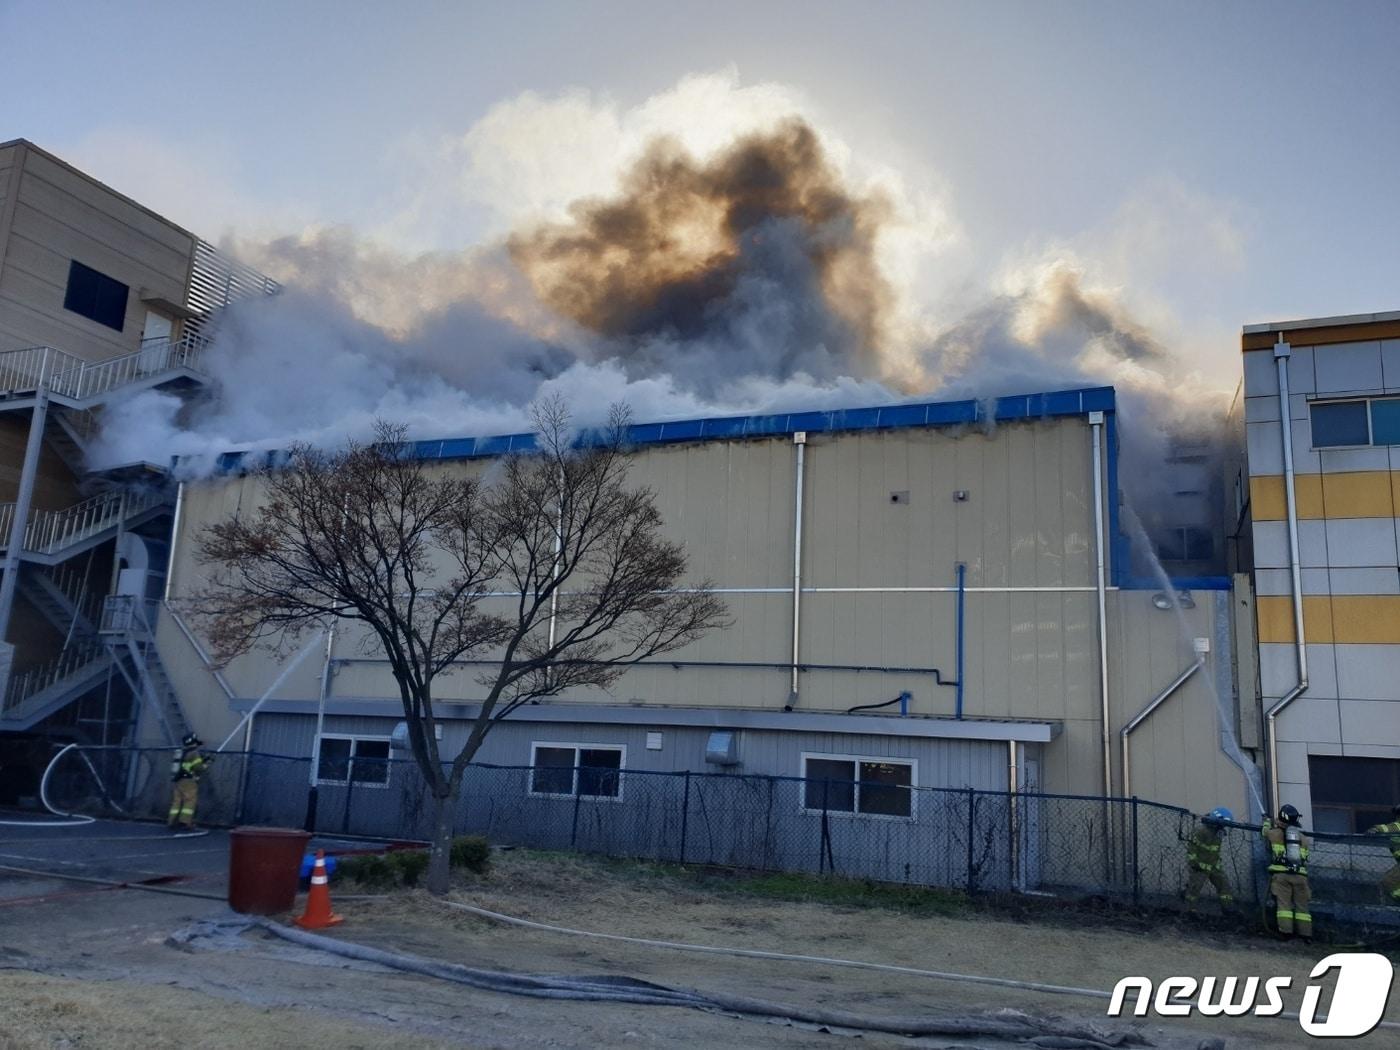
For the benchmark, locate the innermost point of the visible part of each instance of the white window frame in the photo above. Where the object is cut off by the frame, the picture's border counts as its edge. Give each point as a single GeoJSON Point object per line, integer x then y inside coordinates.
{"type": "Point", "coordinates": [621, 750]}
{"type": "Point", "coordinates": [912, 763]}
{"type": "Point", "coordinates": [388, 761]}
{"type": "Point", "coordinates": [1370, 431]}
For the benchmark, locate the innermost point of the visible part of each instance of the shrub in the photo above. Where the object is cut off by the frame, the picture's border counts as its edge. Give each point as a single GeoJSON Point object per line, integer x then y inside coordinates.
{"type": "Point", "coordinates": [470, 852]}
{"type": "Point", "coordinates": [409, 865]}
{"type": "Point", "coordinates": [369, 870]}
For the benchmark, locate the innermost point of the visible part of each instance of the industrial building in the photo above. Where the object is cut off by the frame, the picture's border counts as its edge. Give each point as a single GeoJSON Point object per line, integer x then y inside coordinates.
{"type": "Point", "coordinates": [100, 298]}
{"type": "Point", "coordinates": [1318, 499]}
{"type": "Point", "coordinates": [971, 557]}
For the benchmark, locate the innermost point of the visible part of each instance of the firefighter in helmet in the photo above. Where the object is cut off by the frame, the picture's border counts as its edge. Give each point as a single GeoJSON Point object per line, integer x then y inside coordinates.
{"type": "Point", "coordinates": [1203, 858]}
{"type": "Point", "coordinates": [1288, 872]}
{"type": "Point", "coordinates": [185, 771]}
{"type": "Point", "coordinates": [1390, 883]}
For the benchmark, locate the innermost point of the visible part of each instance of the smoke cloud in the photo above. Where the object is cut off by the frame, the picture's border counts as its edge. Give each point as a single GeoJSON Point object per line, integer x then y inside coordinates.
{"type": "Point", "coordinates": [743, 272]}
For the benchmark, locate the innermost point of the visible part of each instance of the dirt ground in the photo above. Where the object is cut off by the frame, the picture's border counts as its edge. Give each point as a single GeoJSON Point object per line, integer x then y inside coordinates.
{"type": "Point", "coordinates": [97, 969]}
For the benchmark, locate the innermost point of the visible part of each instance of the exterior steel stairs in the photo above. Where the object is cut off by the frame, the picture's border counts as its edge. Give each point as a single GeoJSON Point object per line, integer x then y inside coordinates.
{"type": "Point", "coordinates": [128, 631]}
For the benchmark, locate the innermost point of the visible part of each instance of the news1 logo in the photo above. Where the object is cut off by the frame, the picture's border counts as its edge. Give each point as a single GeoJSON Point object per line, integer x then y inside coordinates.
{"type": "Point", "coordinates": [1358, 1001]}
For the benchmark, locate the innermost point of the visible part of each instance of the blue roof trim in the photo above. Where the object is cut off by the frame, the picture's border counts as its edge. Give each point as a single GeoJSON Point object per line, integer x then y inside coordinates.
{"type": "Point", "coordinates": [1055, 403]}
{"type": "Point", "coordinates": [879, 417]}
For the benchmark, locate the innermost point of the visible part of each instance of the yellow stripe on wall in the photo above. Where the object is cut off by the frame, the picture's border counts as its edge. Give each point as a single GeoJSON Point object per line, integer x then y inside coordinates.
{"type": "Point", "coordinates": [1340, 619]}
{"type": "Point", "coordinates": [1359, 494]}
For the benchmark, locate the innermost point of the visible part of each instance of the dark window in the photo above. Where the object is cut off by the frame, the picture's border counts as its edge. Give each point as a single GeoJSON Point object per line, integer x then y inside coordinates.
{"type": "Point", "coordinates": [846, 785]}
{"type": "Point", "coordinates": [1340, 423]}
{"type": "Point", "coordinates": [1350, 795]}
{"type": "Point", "coordinates": [1385, 421]}
{"type": "Point", "coordinates": [590, 772]}
{"type": "Point", "coordinates": [831, 784]}
{"type": "Point", "coordinates": [554, 771]}
{"type": "Point", "coordinates": [598, 771]}
{"type": "Point", "coordinates": [1190, 543]}
{"type": "Point", "coordinates": [343, 760]}
{"type": "Point", "coordinates": [334, 760]}
{"type": "Point", "coordinates": [96, 296]}
{"type": "Point", "coordinates": [884, 788]}
{"type": "Point", "coordinates": [371, 763]}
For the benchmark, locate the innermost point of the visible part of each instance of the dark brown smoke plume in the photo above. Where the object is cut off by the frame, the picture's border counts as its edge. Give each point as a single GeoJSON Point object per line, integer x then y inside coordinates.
{"type": "Point", "coordinates": [761, 255]}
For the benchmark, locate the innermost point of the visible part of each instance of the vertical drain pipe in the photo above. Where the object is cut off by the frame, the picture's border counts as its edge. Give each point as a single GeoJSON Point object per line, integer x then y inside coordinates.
{"type": "Point", "coordinates": [1013, 781]}
{"type": "Point", "coordinates": [962, 596]}
{"type": "Point", "coordinates": [1096, 421]}
{"type": "Point", "coordinates": [174, 538]}
{"type": "Point", "coordinates": [799, 439]}
{"type": "Point", "coordinates": [1282, 353]}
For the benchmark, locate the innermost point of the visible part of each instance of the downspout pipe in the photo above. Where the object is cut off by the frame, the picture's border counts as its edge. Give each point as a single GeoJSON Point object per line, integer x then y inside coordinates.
{"type": "Point", "coordinates": [174, 539]}
{"type": "Point", "coordinates": [962, 596]}
{"type": "Point", "coordinates": [1282, 353]}
{"type": "Point", "coordinates": [799, 440]}
{"type": "Point", "coordinates": [1146, 713]}
{"type": "Point", "coordinates": [1096, 425]}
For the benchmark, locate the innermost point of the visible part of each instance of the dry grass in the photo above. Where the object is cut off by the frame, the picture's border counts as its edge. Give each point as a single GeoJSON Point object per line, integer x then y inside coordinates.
{"type": "Point", "coordinates": [40, 1012]}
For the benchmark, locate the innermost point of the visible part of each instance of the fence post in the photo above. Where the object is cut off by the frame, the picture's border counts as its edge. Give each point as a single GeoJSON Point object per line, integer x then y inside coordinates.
{"type": "Point", "coordinates": [349, 797]}
{"type": "Point", "coordinates": [971, 832]}
{"type": "Point", "coordinates": [1137, 887]}
{"type": "Point", "coordinates": [685, 814]}
{"type": "Point", "coordinates": [578, 796]}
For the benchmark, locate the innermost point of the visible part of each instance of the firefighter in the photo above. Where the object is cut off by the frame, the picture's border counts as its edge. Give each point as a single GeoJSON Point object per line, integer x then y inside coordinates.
{"type": "Point", "coordinates": [1203, 858]}
{"type": "Point", "coordinates": [185, 771]}
{"type": "Point", "coordinates": [1390, 883]}
{"type": "Point", "coordinates": [1288, 872]}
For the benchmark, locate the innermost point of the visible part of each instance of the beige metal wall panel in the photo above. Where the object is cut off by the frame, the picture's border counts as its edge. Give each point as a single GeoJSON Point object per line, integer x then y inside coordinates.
{"type": "Point", "coordinates": [54, 484]}
{"type": "Point", "coordinates": [1031, 649]}
{"type": "Point", "coordinates": [60, 215]}
{"type": "Point", "coordinates": [204, 703]}
{"type": "Point", "coordinates": [730, 503]}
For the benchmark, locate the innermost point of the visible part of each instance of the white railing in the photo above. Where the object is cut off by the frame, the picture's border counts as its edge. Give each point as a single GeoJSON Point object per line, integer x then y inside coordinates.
{"type": "Point", "coordinates": [73, 583]}
{"type": "Point", "coordinates": [23, 371]}
{"type": "Point", "coordinates": [128, 614]}
{"type": "Point", "coordinates": [50, 531]}
{"type": "Point", "coordinates": [74, 659]}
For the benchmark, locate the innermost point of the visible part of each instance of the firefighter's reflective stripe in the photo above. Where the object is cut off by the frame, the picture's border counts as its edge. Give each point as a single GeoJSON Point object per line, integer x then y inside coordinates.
{"type": "Point", "coordinates": [1393, 830]}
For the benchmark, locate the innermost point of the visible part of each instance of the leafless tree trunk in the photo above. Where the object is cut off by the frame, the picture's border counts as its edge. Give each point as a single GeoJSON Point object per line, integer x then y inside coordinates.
{"type": "Point", "coordinates": [421, 556]}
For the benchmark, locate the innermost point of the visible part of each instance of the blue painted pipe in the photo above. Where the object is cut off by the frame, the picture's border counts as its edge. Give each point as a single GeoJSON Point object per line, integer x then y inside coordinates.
{"type": "Point", "coordinates": [904, 705]}
{"type": "Point", "coordinates": [962, 593]}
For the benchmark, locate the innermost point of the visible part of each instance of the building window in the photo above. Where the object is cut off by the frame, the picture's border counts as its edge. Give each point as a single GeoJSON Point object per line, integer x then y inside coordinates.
{"type": "Point", "coordinates": [851, 784]}
{"type": "Point", "coordinates": [585, 770]}
{"type": "Point", "coordinates": [1341, 424]}
{"type": "Point", "coordinates": [1385, 421]}
{"type": "Point", "coordinates": [1187, 543]}
{"type": "Point", "coordinates": [1350, 795]}
{"type": "Point", "coordinates": [353, 760]}
{"type": "Point", "coordinates": [96, 296]}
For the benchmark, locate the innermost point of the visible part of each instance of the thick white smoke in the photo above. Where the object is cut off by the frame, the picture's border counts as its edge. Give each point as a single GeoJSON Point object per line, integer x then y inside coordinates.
{"type": "Point", "coordinates": [770, 270]}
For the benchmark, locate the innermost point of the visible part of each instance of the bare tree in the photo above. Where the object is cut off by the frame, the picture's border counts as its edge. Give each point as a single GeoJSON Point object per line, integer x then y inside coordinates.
{"type": "Point", "coordinates": [552, 574]}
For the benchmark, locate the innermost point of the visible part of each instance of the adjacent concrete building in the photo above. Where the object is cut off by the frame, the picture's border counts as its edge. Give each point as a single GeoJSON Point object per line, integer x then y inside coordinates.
{"type": "Point", "coordinates": [1321, 416]}
{"type": "Point", "coordinates": [100, 297]}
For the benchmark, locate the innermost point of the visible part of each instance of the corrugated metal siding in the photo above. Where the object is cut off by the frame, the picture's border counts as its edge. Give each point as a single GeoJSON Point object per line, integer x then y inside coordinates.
{"type": "Point", "coordinates": [941, 763]}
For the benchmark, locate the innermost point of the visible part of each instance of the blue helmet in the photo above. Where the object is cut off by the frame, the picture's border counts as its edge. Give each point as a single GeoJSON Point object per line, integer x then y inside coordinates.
{"type": "Point", "coordinates": [1220, 815]}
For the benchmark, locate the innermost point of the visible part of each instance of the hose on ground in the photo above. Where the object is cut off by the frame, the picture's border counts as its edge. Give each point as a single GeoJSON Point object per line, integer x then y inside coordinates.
{"type": "Point", "coordinates": [71, 820]}
{"type": "Point", "coordinates": [753, 953]}
{"type": "Point", "coordinates": [1009, 1025]}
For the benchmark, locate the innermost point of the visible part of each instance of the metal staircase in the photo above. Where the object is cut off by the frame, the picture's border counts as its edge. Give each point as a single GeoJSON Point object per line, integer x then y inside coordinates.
{"type": "Point", "coordinates": [54, 536]}
{"type": "Point", "coordinates": [77, 384]}
{"type": "Point", "coordinates": [128, 631]}
{"type": "Point", "coordinates": [62, 597]}
{"type": "Point", "coordinates": [41, 691]}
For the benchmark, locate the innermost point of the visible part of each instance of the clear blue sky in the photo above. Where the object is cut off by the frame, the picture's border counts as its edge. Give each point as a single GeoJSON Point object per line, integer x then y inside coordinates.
{"type": "Point", "coordinates": [1041, 122]}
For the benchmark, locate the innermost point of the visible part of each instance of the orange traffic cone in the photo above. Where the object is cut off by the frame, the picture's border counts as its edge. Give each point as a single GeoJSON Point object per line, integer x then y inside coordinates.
{"type": "Point", "coordinates": [318, 902]}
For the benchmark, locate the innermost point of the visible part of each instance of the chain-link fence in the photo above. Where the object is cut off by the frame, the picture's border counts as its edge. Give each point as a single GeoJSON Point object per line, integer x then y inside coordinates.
{"type": "Point", "coordinates": [1127, 850]}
